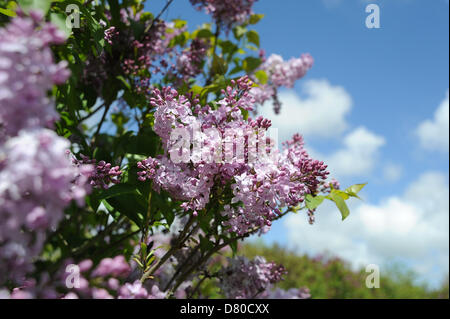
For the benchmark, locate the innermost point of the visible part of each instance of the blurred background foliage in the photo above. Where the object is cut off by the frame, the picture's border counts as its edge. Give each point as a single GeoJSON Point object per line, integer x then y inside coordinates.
{"type": "Point", "coordinates": [333, 278]}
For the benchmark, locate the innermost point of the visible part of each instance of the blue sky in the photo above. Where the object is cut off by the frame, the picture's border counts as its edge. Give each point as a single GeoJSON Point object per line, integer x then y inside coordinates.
{"type": "Point", "coordinates": [380, 99]}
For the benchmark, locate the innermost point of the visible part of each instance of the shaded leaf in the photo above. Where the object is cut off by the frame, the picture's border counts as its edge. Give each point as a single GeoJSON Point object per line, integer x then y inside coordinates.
{"type": "Point", "coordinates": [340, 204]}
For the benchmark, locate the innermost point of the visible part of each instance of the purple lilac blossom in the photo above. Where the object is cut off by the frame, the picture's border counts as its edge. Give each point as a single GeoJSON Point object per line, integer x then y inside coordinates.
{"type": "Point", "coordinates": [226, 12]}
{"type": "Point", "coordinates": [37, 181]}
{"type": "Point", "coordinates": [244, 279]}
{"type": "Point", "coordinates": [261, 184]}
{"type": "Point", "coordinates": [27, 73]}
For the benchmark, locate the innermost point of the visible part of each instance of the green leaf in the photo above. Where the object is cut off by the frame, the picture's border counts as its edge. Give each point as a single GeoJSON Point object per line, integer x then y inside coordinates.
{"type": "Point", "coordinates": [219, 66]}
{"type": "Point", "coordinates": [262, 76]}
{"type": "Point", "coordinates": [340, 204]}
{"type": "Point", "coordinates": [144, 249]}
{"type": "Point", "coordinates": [355, 189]}
{"type": "Point", "coordinates": [138, 262]}
{"type": "Point", "coordinates": [7, 12]}
{"type": "Point", "coordinates": [124, 81]}
{"type": "Point", "coordinates": [312, 202]}
{"type": "Point", "coordinates": [118, 190]}
{"type": "Point", "coordinates": [253, 37]}
{"type": "Point", "coordinates": [228, 47]}
{"type": "Point", "coordinates": [234, 246]}
{"type": "Point", "coordinates": [205, 244]}
{"type": "Point", "coordinates": [255, 18]}
{"type": "Point", "coordinates": [245, 114]}
{"type": "Point", "coordinates": [239, 32]}
{"type": "Point", "coordinates": [41, 5]}
{"type": "Point", "coordinates": [344, 195]}
{"type": "Point", "coordinates": [156, 224]}
{"type": "Point", "coordinates": [251, 63]}
{"type": "Point", "coordinates": [60, 21]}
{"type": "Point", "coordinates": [151, 260]}
{"type": "Point", "coordinates": [204, 33]}
{"type": "Point", "coordinates": [169, 215]}
{"type": "Point", "coordinates": [130, 206]}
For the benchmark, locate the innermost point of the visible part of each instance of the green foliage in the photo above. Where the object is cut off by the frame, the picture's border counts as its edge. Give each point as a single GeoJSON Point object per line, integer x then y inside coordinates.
{"type": "Point", "coordinates": [333, 278]}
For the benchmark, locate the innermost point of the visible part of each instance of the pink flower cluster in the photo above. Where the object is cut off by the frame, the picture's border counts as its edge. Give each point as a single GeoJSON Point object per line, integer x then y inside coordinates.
{"type": "Point", "coordinates": [37, 180]}
{"type": "Point", "coordinates": [110, 34]}
{"type": "Point", "coordinates": [286, 73]}
{"type": "Point", "coordinates": [281, 74]}
{"type": "Point", "coordinates": [103, 175]}
{"type": "Point", "coordinates": [27, 73]}
{"type": "Point", "coordinates": [226, 12]}
{"type": "Point", "coordinates": [139, 56]}
{"type": "Point", "coordinates": [245, 279]}
{"type": "Point", "coordinates": [262, 180]}
{"type": "Point", "coordinates": [145, 53]}
{"type": "Point", "coordinates": [110, 279]}
{"type": "Point", "coordinates": [189, 62]}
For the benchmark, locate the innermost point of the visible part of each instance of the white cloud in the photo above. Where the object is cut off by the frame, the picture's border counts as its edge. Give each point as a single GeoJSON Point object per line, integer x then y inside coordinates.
{"type": "Point", "coordinates": [413, 227]}
{"type": "Point", "coordinates": [321, 113]}
{"type": "Point", "coordinates": [392, 172]}
{"type": "Point", "coordinates": [433, 134]}
{"type": "Point", "coordinates": [358, 156]}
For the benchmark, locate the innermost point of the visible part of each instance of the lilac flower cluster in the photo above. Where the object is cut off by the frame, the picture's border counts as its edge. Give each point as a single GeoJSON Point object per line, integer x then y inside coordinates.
{"type": "Point", "coordinates": [226, 12]}
{"type": "Point", "coordinates": [36, 184]}
{"type": "Point", "coordinates": [281, 181]}
{"type": "Point", "coordinates": [281, 74]}
{"type": "Point", "coordinates": [138, 56]}
{"type": "Point", "coordinates": [245, 279]}
{"type": "Point", "coordinates": [27, 73]}
{"type": "Point", "coordinates": [103, 175]}
{"type": "Point", "coordinates": [110, 279]}
{"type": "Point", "coordinates": [37, 180]}
{"type": "Point", "coordinates": [189, 63]}
{"type": "Point", "coordinates": [286, 73]}
{"type": "Point", "coordinates": [261, 182]}
{"type": "Point", "coordinates": [110, 34]}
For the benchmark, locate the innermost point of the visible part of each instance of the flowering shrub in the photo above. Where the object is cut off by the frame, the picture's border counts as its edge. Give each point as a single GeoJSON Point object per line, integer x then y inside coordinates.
{"type": "Point", "coordinates": [129, 159]}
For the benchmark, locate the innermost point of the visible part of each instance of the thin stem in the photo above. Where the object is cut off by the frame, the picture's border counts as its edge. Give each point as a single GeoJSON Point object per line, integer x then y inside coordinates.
{"type": "Point", "coordinates": [197, 287]}
{"type": "Point", "coordinates": [99, 127]}
{"type": "Point", "coordinates": [159, 15]}
{"type": "Point", "coordinates": [216, 38]}
{"type": "Point", "coordinates": [92, 113]}
{"type": "Point", "coordinates": [147, 217]}
{"type": "Point", "coordinates": [181, 239]}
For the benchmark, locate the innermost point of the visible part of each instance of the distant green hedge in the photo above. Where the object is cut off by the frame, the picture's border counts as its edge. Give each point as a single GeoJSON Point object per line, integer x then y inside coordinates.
{"type": "Point", "coordinates": [334, 278]}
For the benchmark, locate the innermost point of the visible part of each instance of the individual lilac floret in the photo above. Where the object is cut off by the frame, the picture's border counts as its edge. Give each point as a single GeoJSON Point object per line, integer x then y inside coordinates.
{"type": "Point", "coordinates": [27, 73]}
